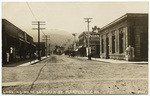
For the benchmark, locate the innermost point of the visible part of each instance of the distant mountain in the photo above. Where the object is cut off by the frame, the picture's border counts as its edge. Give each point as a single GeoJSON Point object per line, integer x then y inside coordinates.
{"type": "Point", "coordinates": [57, 37]}
{"type": "Point", "coordinates": [60, 40]}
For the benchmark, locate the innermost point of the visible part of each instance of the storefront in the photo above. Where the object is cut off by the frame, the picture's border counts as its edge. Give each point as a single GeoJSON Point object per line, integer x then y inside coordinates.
{"type": "Point", "coordinates": [94, 44]}
{"type": "Point", "coordinates": [15, 46]}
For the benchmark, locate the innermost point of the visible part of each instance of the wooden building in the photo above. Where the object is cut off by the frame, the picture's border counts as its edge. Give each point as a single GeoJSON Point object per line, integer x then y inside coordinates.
{"type": "Point", "coordinates": [128, 30]}
{"type": "Point", "coordinates": [16, 44]}
{"type": "Point", "coordinates": [42, 48]}
{"type": "Point", "coordinates": [93, 41]}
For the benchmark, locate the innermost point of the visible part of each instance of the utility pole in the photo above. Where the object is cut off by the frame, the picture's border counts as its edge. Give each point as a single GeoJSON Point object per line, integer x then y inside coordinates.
{"type": "Point", "coordinates": [46, 37]}
{"type": "Point", "coordinates": [88, 21]}
{"type": "Point", "coordinates": [38, 23]}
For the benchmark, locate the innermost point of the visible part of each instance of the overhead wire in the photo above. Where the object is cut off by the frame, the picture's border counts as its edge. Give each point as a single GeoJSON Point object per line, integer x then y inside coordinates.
{"type": "Point", "coordinates": [33, 14]}
{"type": "Point", "coordinates": [44, 64]}
{"type": "Point", "coordinates": [31, 11]}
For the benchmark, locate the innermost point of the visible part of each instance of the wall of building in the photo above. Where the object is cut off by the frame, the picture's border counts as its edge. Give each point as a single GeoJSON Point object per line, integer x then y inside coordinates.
{"type": "Point", "coordinates": [42, 48]}
{"type": "Point", "coordinates": [93, 41]}
{"type": "Point", "coordinates": [135, 33]}
{"type": "Point", "coordinates": [107, 33]}
{"type": "Point", "coordinates": [139, 31]}
{"type": "Point", "coordinates": [14, 45]}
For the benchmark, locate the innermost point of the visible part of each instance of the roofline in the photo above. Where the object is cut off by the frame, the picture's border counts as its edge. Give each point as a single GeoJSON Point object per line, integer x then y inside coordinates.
{"type": "Point", "coordinates": [121, 18]}
{"type": "Point", "coordinates": [85, 32]}
{"type": "Point", "coordinates": [113, 22]}
{"type": "Point", "coordinates": [5, 20]}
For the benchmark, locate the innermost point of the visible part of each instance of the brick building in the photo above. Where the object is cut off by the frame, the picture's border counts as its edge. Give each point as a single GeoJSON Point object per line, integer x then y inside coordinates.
{"type": "Point", "coordinates": [128, 30]}
{"type": "Point", "coordinates": [93, 41]}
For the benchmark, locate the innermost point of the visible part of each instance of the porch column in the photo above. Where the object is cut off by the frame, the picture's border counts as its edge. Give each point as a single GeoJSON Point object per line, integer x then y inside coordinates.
{"type": "Point", "coordinates": [126, 37]}
{"type": "Point", "coordinates": [110, 43]}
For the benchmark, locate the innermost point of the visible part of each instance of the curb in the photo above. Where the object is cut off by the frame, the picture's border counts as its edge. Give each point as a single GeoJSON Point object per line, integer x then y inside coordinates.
{"type": "Point", "coordinates": [114, 61]}
{"type": "Point", "coordinates": [33, 62]}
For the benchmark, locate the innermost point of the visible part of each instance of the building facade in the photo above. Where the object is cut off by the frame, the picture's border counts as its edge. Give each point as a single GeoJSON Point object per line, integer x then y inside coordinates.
{"type": "Point", "coordinates": [16, 44]}
{"type": "Point", "coordinates": [93, 43]}
{"type": "Point", "coordinates": [42, 48]}
{"type": "Point", "coordinates": [130, 30]}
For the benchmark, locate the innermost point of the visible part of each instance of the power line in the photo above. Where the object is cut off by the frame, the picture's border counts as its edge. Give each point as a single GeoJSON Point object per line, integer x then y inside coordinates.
{"type": "Point", "coordinates": [38, 23]}
{"type": "Point", "coordinates": [31, 11]}
{"type": "Point", "coordinates": [33, 14]}
{"type": "Point", "coordinates": [46, 38]}
{"type": "Point", "coordinates": [43, 32]}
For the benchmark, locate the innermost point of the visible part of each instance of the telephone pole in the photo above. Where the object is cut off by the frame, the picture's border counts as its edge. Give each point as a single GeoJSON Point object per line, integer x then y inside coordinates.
{"type": "Point", "coordinates": [88, 21]}
{"type": "Point", "coordinates": [38, 23]}
{"type": "Point", "coordinates": [46, 37]}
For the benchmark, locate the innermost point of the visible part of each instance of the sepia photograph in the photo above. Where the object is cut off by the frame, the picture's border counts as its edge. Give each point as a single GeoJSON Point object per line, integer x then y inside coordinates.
{"type": "Point", "coordinates": [68, 47]}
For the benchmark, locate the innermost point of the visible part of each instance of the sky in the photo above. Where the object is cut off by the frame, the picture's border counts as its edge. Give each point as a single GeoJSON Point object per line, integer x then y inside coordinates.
{"type": "Point", "coordinates": [67, 17]}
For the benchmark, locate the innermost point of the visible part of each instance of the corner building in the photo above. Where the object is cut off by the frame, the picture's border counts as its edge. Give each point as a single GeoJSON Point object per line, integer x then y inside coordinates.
{"type": "Point", "coordinates": [93, 43]}
{"type": "Point", "coordinates": [128, 30]}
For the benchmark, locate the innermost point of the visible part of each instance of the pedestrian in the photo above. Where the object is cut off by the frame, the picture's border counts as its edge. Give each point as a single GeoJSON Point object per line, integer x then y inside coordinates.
{"type": "Point", "coordinates": [11, 54]}
{"type": "Point", "coordinates": [7, 54]}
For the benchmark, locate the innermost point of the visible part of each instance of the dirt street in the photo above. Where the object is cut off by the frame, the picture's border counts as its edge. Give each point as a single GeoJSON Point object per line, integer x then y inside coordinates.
{"type": "Point", "coordinates": [71, 75]}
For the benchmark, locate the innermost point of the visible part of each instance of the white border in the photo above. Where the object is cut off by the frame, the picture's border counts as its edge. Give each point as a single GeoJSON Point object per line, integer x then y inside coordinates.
{"type": "Point", "coordinates": [63, 1]}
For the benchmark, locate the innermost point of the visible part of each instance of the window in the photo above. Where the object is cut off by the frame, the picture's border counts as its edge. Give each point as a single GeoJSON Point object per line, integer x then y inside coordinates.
{"type": "Point", "coordinates": [121, 40]}
{"type": "Point", "coordinates": [113, 42]}
{"type": "Point", "coordinates": [102, 44]}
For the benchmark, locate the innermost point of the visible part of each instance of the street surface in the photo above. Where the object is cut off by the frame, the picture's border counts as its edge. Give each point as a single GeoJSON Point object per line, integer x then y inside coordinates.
{"type": "Point", "coordinates": [60, 74]}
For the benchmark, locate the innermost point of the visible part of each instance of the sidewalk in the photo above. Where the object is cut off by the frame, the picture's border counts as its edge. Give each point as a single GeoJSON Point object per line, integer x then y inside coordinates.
{"type": "Point", "coordinates": [34, 61]}
{"type": "Point", "coordinates": [115, 61]}
{"type": "Point", "coordinates": [24, 63]}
